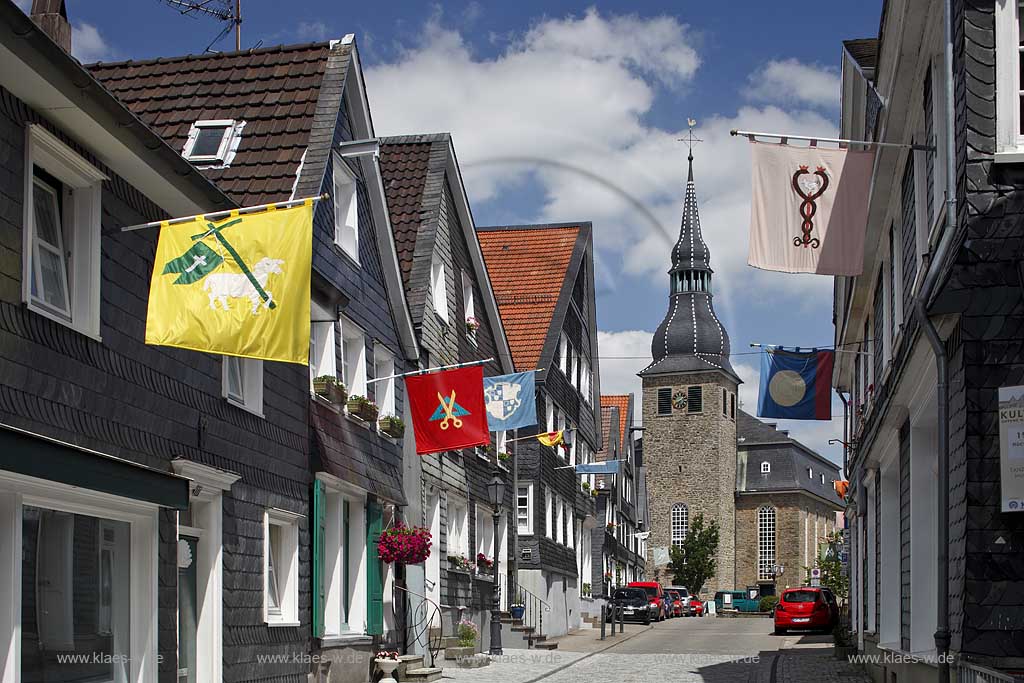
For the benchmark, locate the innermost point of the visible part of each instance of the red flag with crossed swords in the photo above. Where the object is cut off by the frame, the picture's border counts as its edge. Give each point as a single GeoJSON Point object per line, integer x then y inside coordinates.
{"type": "Point", "coordinates": [448, 411]}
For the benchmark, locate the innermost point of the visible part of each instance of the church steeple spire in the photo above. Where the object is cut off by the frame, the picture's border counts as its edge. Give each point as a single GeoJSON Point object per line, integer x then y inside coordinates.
{"type": "Point", "coordinates": [690, 338]}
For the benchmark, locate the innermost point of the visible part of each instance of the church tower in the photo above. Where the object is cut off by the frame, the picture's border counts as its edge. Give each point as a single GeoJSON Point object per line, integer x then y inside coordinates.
{"type": "Point", "coordinates": [689, 411]}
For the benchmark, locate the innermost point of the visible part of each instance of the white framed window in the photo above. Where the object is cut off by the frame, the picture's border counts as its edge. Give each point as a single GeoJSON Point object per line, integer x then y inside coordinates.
{"type": "Point", "coordinates": [823, 479]}
{"type": "Point", "coordinates": [384, 390]}
{"type": "Point", "coordinates": [574, 357]}
{"type": "Point", "coordinates": [345, 557]}
{"type": "Point", "coordinates": [549, 512]}
{"type": "Point", "coordinates": [213, 142]}
{"type": "Point", "coordinates": [47, 531]}
{"type": "Point", "coordinates": [322, 343]}
{"type": "Point", "coordinates": [458, 526]}
{"type": "Point", "coordinates": [1010, 94]}
{"type": "Point", "coordinates": [439, 288]}
{"type": "Point", "coordinates": [560, 521]}
{"type": "Point", "coordinates": [61, 247]}
{"type": "Point", "coordinates": [572, 446]}
{"type": "Point", "coordinates": [680, 523]}
{"type": "Point", "coordinates": [501, 442]}
{"type": "Point", "coordinates": [586, 378]}
{"type": "Point", "coordinates": [560, 426]}
{"type": "Point", "coordinates": [346, 209]}
{"type": "Point", "coordinates": [810, 473]}
{"type": "Point", "coordinates": [570, 526]}
{"type": "Point", "coordinates": [485, 531]}
{"type": "Point", "coordinates": [766, 467]}
{"type": "Point", "coordinates": [242, 383]}
{"type": "Point", "coordinates": [550, 410]}
{"type": "Point", "coordinates": [765, 542]}
{"type": "Point", "coordinates": [524, 509]}
{"type": "Point", "coordinates": [281, 567]}
{"type": "Point", "coordinates": [467, 302]}
{"type": "Point", "coordinates": [563, 353]}
{"type": "Point", "coordinates": [353, 358]}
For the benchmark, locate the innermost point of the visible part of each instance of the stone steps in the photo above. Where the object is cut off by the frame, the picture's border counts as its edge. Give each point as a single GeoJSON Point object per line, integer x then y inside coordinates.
{"type": "Point", "coordinates": [422, 675]}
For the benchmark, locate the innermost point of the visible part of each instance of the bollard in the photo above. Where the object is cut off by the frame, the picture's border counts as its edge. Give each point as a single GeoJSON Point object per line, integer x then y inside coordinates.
{"type": "Point", "coordinates": [621, 618]}
{"type": "Point", "coordinates": [604, 614]}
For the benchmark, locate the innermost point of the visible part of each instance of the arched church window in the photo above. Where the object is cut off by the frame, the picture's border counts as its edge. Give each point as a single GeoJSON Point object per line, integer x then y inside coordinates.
{"type": "Point", "coordinates": [765, 542]}
{"type": "Point", "coordinates": [680, 523]}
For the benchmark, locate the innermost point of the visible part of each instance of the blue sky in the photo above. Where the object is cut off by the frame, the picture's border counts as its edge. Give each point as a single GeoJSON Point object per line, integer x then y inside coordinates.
{"type": "Point", "coordinates": [567, 111]}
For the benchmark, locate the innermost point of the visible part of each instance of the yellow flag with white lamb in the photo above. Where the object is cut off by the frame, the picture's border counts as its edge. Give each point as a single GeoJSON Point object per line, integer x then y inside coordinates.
{"type": "Point", "coordinates": [237, 286]}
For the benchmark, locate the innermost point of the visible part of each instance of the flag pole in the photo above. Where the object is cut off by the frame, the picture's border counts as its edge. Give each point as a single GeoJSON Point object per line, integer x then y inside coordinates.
{"type": "Point", "coordinates": [756, 345]}
{"type": "Point", "coordinates": [426, 370]}
{"type": "Point", "coordinates": [565, 467]}
{"type": "Point", "coordinates": [218, 214]}
{"type": "Point", "coordinates": [534, 436]}
{"type": "Point", "coordinates": [784, 138]}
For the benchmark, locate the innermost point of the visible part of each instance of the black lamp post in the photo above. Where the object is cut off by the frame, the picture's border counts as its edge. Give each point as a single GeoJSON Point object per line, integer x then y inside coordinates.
{"type": "Point", "coordinates": [496, 494]}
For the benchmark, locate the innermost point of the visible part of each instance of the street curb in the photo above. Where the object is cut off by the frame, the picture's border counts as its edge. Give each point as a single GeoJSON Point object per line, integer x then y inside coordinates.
{"type": "Point", "coordinates": [588, 655]}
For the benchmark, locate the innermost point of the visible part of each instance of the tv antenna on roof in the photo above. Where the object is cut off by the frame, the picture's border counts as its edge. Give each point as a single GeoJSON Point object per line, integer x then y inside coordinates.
{"type": "Point", "coordinates": [228, 11]}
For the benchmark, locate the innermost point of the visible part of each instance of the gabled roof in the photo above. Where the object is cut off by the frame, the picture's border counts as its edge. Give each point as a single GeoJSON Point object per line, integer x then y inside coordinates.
{"type": "Point", "coordinates": [289, 98]}
{"type": "Point", "coordinates": [274, 90]}
{"type": "Point", "coordinates": [623, 403]}
{"type": "Point", "coordinates": [414, 169]}
{"type": "Point", "coordinates": [609, 427]}
{"type": "Point", "coordinates": [751, 431]}
{"type": "Point", "coordinates": [532, 268]}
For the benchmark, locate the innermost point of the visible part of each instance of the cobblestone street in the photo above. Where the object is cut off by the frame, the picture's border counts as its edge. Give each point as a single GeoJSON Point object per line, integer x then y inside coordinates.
{"type": "Point", "coordinates": [687, 650]}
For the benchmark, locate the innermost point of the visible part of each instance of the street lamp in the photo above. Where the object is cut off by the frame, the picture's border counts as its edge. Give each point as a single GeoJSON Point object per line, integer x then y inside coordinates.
{"type": "Point", "coordinates": [496, 495]}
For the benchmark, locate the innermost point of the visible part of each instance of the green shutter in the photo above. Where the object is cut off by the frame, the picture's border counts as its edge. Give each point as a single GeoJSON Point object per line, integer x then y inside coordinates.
{"type": "Point", "coordinates": [374, 579]}
{"type": "Point", "coordinates": [319, 514]}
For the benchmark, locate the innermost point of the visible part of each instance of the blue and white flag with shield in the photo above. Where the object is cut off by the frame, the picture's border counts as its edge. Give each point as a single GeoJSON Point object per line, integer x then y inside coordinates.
{"type": "Point", "coordinates": [510, 400]}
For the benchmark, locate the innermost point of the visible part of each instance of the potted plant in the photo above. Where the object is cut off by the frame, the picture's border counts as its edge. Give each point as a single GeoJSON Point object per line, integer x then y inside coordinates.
{"type": "Point", "coordinates": [504, 458]}
{"type": "Point", "coordinates": [610, 527]}
{"type": "Point", "coordinates": [586, 486]}
{"type": "Point", "coordinates": [330, 388]}
{"type": "Point", "coordinates": [387, 662]}
{"type": "Point", "coordinates": [472, 325]}
{"type": "Point", "coordinates": [594, 493]}
{"type": "Point", "coordinates": [404, 545]}
{"type": "Point", "coordinates": [392, 426]}
{"type": "Point", "coordinates": [586, 590]}
{"type": "Point", "coordinates": [483, 562]}
{"type": "Point", "coordinates": [363, 408]}
{"type": "Point", "coordinates": [516, 610]}
{"type": "Point", "coordinates": [467, 633]}
{"type": "Point", "coordinates": [459, 562]}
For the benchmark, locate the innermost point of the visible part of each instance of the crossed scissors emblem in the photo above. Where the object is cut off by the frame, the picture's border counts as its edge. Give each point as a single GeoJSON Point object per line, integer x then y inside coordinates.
{"type": "Point", "coordinates": [448, 406]}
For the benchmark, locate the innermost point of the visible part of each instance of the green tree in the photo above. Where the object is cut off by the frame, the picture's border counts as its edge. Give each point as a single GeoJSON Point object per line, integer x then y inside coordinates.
{"type": "Point", "coordinates": [832, 575]}
{"type": "Point", "coordinates": [693, 561]}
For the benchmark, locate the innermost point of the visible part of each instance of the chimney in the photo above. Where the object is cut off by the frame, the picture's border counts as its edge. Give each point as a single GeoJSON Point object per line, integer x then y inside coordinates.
{"type": "Point", "coordinates": [52, 17]}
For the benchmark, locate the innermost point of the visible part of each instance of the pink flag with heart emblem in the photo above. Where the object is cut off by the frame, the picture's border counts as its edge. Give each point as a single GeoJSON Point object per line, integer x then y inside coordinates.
{"type": "Point", "coordinates": [809, 209]}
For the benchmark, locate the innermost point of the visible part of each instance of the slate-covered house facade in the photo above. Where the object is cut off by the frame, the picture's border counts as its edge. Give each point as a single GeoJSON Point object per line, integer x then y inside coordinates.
{"type": "Point", "coordinates": [133, 491]}
{"type": "Point", "coordinates": [786, 506]}
{"type": "Point", "coordinates": [456, 319]}
{"type": "Point", "coordinates": [269, 125]}
{"type": "Point", "coordinates": [543, 279]}
{"type": "Point", "coordinates": [894, 91]}
{"type": "Point", "coordinates": [618, 546]}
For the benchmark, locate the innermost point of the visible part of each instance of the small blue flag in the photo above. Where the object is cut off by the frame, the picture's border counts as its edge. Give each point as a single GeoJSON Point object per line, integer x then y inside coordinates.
{"type": "Point", "coordinates": [605, 467]}
{"type": "Point", "coordinates": [511, 401]}
{"type": "Point", "coordinates": [795, 385]}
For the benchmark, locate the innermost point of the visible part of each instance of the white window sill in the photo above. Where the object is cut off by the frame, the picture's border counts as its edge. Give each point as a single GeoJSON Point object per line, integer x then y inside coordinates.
{"type": "Point", "coordinates": [344, 252]}
{"type": "Point", "coordinates": [1014, 157]}
{"type": "Point", "coordinates": [57, 319]}
{"type": "Point", "coordinates": [345, 639]}
{"type": "Point", "coordinates": [525, 533]}
{"type": "Point", "coordinates": [275, 623]}
{"type": "Point", "coordinates": [248, 409]}
{"type": "Point", "coordinates": [358, 421]}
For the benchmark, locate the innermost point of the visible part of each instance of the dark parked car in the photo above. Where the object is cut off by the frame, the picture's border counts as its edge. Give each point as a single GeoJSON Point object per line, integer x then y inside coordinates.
{"type": "Point", "coordinates": [655, 593]}
{"type": "Point", "coordinates": [636, 606]}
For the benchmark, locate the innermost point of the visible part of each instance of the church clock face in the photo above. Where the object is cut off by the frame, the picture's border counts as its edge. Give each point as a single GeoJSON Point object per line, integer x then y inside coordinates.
{"type": "Point", "coordinates": [679, 400]}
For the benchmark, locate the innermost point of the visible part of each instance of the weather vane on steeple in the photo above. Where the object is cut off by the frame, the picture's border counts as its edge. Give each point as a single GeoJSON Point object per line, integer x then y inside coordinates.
{"type": "Point", "coordinates": [690, 139]}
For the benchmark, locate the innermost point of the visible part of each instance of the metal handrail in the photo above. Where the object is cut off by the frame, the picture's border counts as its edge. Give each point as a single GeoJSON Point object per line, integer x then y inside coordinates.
{"type": "Point", "coordinates": [533, 605]}
{"type": "Point", "coordinates": [419, 625]}
{"type": "Point", "coordinates": [968, 672]}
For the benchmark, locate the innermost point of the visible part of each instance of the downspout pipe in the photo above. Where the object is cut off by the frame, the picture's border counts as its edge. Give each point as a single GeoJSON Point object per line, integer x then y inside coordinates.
{"type": "Point", "coordinates": [928, 284]}
{"type": "Point", "coordinates": [846, 435]}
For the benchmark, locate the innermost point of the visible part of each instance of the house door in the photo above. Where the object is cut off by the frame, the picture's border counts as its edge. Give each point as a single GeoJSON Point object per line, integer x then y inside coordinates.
{"type": "Point", "coordinates": [54, 572]}
{"type": "Point", "coordinates": [188, 612]}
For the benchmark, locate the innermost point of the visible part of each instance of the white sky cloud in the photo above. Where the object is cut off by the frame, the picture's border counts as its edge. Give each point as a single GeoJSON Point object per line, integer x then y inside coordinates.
{"type": "Point", "coordinates": [88, 44]}
{"type": "Point", "coordinates": [792, 81]}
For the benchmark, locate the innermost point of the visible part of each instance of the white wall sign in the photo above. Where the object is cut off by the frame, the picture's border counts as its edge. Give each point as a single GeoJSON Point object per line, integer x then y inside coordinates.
{"type": "Point", "coordinates": [660, 555]}
{"type": "Point", "coordinates": [1011, 447]}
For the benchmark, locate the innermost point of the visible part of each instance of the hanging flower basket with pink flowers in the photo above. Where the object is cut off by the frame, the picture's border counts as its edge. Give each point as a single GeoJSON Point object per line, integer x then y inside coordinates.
{"type": "Point", "coordinates": [404, 545]}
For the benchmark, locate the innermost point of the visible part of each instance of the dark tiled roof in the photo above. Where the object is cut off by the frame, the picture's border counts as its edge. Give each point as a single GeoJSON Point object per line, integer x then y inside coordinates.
{"type": "Point", "coordinates": [528, 267]}
{"type": "Point", "coordinates": [864, 51]}
{"type": "Point", "coordinates": [273, 90]}
{"type": "Point", "coordinates": [342, 449]}
{"type": "Point", "coordinates": [404, 166]}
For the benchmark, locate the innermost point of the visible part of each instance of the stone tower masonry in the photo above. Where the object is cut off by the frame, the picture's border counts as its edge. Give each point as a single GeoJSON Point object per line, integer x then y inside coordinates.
{"type": "Point", "coordinates": [689, 394]}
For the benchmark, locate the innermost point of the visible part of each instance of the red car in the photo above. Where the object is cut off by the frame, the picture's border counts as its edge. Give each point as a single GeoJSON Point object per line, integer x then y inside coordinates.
{"type": "Point", "coordinates": [805, 608]}
{"type": "Point", "coordinates": [696, 607]}
{"type": "Point", "coordinates": [655, 593]}
{"type": "Point", "coordinates": [675, 603]}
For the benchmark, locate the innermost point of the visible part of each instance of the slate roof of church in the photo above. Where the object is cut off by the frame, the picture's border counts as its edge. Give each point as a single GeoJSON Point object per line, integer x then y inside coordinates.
{"type": "Point", "coordinates": [529, 268]}
{"type": "Point", "coordinates": [690, 338]}
{"type": "Point", "coordinates": [278, 91]}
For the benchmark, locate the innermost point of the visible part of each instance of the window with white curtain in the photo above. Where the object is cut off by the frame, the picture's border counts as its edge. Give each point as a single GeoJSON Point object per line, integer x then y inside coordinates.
{"type": "Point", "coordinates": [353, 358]}
{"type": "Point", "coordinates": [563, 353]}
{"type": "Point", "coordinates": [439, 288]}
{"type": "Point", "coordinates": [322, 344]}
{"type": "Point", "coordinates": [281, 567]}
{"type": "Point", "coordinates": [384, 389]}
{"type": "Point", "coordinates": [458, 527]}
{"type": "Point", "coordinates": [346, 209]}
{"type": "Point", "coordinates": [549, 511]}
{"type": "Point", "coordinates": [560, 522]}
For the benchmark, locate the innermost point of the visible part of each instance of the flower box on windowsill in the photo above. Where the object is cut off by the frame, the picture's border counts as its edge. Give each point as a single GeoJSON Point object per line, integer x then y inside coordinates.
{"type": "Point", "coordinates": [362, 408]}
{"type": "Point", "coordinates": [487, 577]}
{"type": "Point", "coordinates": [392, 427]}
{"type": "Point", "coordinates": [330, 389]}
{"type": "Point", "coordinates": [459, 572]}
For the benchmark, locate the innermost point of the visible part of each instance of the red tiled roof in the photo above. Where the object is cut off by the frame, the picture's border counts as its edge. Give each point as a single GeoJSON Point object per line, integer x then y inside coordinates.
{"type": "Point", "coordinates": [527, 266]}
{"type": "Point", "coordinates": [621, 401]}
{"type": "Point", "coordinates": [403, 168]}
{"type": "Point", "coordinates": [274, 90]}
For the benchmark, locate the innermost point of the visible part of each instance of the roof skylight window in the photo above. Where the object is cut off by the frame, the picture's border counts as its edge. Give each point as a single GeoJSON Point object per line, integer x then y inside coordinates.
{"type": "Point", "coordinates": [213, 143]}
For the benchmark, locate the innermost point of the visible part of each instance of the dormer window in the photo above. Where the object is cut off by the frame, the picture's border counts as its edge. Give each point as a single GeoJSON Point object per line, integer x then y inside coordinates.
{"type": "Point", "coordinates": [766, 467]}
{"type": "Point", "coordinates": [214, 142]}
